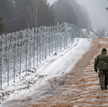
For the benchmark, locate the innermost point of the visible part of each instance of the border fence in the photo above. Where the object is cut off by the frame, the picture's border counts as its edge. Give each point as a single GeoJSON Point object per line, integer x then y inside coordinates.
{"type": "Point", "coordinates": [24, 50]}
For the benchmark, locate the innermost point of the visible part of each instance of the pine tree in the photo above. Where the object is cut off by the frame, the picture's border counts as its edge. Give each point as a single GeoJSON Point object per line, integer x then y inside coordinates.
{"type": "Point", "coordinates": [7, 12]}
{"type": "Point", "coordinates": [1, 26]}
{"type": "Point", "coordinates": [21, 14]}
{"type": "Point", "coordinates": [17, 13]}
{"type": "Point", "coordinates": [81, 13]}
{"type": "Point", "coordinates": [64, 12]}
{"type": "Point", "coordinates": [1, 23]}
{"type": "Point", "coordinates": [36, 12]}
{"type": "Point", "coordinates": [45, 14]}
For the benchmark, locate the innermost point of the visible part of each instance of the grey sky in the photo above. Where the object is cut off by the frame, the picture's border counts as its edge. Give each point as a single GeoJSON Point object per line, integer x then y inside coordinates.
{"type": "Point", "coordinates": [97, 12]}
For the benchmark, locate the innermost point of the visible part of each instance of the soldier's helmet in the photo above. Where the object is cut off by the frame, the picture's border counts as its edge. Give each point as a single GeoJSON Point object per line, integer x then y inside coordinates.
{"type": "Point", "coordinates": [104, 50]}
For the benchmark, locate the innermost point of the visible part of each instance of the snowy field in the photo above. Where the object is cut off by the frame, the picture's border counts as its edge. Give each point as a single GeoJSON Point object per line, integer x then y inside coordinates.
{"type": "Point", "coordinates": [55, 65]}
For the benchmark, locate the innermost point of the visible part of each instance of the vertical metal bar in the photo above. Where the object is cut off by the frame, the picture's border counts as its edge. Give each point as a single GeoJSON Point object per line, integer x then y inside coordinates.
{"type": "Point", "coordinates": [52, 38]}
{"type": "Point", "coordinates": [37, 47]}
{"type": "Point", "coordinates": [32, 61]}
{"type": "Point", "coordinates": [18, 46]}
{"type": "Point", "coordinates": [60, 38]}
{"type": "Point", "coordinates": [55, 42]}
{"type": "Point", "coordinates": [49, 42]}
{"type": "Point", "coordinates": [26, 51]}
{"type": "Point", "coordinates": [1, 62]}
{"type": "Point", "coordinates": [68, 39]}
{"type": "Point", "coordinates": [71, 38]}
{"type": "Point", "coordinates": [40, 48]}
{"type": "Point", "coordinates": [43, 48]}
{"type": "Point", "coordinates": [64, 41]}
{"type": "Point", "coordinates": [20, 55]}
{"type": "Point", "coordinates": [34, 49]}
{"type": "Point", "coordinates": [30, 50]}
{"type": "Point", "coordinates": [6, 56]}
{"type": "Point", "coordinates": [57, 37]}
{"type": "Point", "coordinates": [17, 55]}
{"type": "Point", "coordinates": [14, 56]}
{"type": "Point", "coordinates": [42, 44]}
{"type": "Point", "coordinates": [45, 45]}
{"type": "Point", "coordinates": [7, 50]}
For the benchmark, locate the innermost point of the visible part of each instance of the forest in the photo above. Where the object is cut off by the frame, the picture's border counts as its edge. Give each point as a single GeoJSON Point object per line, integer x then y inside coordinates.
{"type": "Point", "coordinates": [16, 14]}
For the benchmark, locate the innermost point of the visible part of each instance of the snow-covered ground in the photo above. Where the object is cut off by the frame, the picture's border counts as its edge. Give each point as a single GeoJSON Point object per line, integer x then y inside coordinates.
{"type": "Point", "coordinates": [55, 65]}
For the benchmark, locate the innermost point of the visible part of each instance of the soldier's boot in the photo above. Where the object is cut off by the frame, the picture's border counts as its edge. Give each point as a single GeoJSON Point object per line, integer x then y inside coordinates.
{"type": "Point", "coordinates": [106, 85]}
{"type": "Point", "coordinates": [102, 88]}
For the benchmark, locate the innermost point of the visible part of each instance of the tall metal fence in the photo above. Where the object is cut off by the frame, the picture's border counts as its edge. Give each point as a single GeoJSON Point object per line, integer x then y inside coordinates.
{"type": "Point", "coordinates": [24, 50]}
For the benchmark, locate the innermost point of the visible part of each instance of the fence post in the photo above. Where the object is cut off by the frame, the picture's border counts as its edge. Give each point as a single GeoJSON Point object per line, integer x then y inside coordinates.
{"type": "Point", "coordinates": [14, 55]}
{"type": "Point", "coordinates": [34, 48]}
{"type": "Point", "coordinates": [71, 38]}
{"type": "Point", "coordinates": [57, 37]}
{"type": "Point", "coordinates": [64, 41]}
{"type": "Point", "coordinates": [45, 46]}
{"type": "Point", "coordinates": [40, 47]}
{"type": "Point", "coordinates": [18, 47]}
{"type": "Point", "coordinates": [8, 46]}
{"type": "Point", "coordinates": [37, 46]}
{"type": "Point", "coordinates": [6, 61]}
{"type": "Point", "coordinates": [52, 38]}
{"type": "Point", "coordinates": [55, 42]}
{"type": "Point", "coordinates": [26, 51]}
{"type": "Point", "coordinates": [29, 41]}
{"type": "Point", "coordinates": [20, 54]}
{"type": "Point", "coordinates": [1, 62]}
{"type": "Point", "coordinates": [42, 44]}
{"type": "Point", "coordinates": [49, 41]}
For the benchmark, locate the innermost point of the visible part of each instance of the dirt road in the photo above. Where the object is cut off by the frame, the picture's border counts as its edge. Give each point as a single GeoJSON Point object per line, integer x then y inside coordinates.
{"type": "Point", "coordinates": [79, 88]}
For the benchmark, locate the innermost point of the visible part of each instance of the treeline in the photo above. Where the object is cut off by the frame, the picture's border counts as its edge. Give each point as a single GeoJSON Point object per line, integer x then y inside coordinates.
{"type": "Point", "coordinates": [15, 14]}
{"type": "Point", "coordinates": [71, 12]}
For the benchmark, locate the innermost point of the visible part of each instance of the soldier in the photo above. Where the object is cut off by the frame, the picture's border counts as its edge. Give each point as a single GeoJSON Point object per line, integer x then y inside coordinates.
{"type": "Point", "coordinates": [101, 64]}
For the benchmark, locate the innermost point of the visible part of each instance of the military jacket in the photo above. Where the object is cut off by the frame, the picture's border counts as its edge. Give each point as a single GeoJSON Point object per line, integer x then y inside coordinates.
{"type": "Point", "coordinates": [101, 61]}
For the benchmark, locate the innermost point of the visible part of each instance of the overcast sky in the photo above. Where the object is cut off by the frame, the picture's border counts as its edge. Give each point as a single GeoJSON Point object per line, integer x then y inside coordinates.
{"type": "Point", "coordinates": [97, 12]}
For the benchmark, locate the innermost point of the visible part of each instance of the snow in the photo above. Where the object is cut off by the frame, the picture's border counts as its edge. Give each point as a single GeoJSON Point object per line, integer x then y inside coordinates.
{"type": "Point", "coordinates": [55, 65]}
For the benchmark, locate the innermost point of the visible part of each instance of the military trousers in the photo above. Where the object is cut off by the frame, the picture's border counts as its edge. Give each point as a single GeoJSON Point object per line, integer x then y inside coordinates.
{"type": "Point", "coordinates": [103, 78]}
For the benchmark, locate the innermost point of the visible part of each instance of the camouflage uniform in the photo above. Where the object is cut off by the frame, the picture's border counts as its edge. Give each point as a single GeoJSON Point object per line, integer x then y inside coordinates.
{"type": "Point", "coordinates": [101, 63]}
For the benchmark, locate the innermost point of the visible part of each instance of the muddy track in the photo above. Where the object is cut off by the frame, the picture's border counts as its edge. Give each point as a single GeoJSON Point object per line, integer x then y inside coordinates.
{"type": "Point", "coordinates": [79, 88]}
